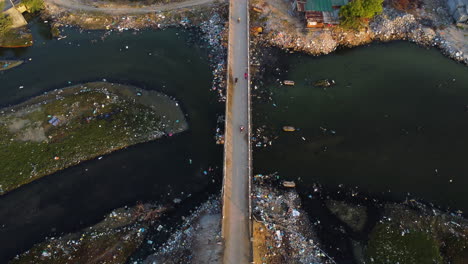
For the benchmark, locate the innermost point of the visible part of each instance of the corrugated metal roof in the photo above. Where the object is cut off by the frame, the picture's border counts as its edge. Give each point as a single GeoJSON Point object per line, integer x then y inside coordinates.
{"type": "Point", "coordinates": [318, 5]}
{"type": "Point", "coordinates": [339, 2]}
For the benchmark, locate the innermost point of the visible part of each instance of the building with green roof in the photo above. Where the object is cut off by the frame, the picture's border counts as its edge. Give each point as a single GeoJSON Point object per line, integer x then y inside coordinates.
{"type": "Point", "coordinates": [319, 13]}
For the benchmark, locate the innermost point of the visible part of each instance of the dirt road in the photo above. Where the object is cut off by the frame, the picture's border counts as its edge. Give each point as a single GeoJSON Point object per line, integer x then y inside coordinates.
{"type": "Point", "coordinates": [78, 5]}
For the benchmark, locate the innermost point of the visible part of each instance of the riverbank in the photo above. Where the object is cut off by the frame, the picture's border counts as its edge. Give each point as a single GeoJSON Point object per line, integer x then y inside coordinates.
{"type": "Point", "coordinates": [428, 25]}
{"type": "Point", "coordinates": [320, 226]}
{"type": "Point", "coordinates": [191, 16]}
{"type": "Point", "coordinates": [111, 241]}
{"type": "Point", "coordinates": [67, 126]}
{"type": "Point", "coordinates": [124, 231]}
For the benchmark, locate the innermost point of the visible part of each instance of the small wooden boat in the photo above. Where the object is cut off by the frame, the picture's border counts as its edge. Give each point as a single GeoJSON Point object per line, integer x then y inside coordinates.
{"type": "Point", "coordinates": [289, 129]}
{"type": "Point", "coordinates": [288, 82]}
{"type": "Point", "coordinates": [8, 64]}
{"type": "Point", "coordinates": [324, 83]}
{"type": "Point", "coordinates": [289, 184]}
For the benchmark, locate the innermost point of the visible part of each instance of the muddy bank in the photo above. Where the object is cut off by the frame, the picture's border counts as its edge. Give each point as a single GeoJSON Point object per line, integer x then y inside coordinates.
{"type": "Point", "coordinates": [428, 25]}
{"type": "Point", "coordinates": [112, 240]}
{"type": "Point", "coordinates": [67, 126]}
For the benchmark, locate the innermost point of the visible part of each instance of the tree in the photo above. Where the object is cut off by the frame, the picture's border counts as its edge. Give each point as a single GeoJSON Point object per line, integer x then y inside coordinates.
{"type": "Point", "coordinates": [33, 5]}
{"type": "Point", "coordinates": [356, 12]}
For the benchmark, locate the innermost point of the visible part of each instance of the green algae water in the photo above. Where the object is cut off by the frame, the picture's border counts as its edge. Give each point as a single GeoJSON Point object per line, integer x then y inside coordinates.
{"type": "Point", "coordinates": [395, 123]}
{"type": "Point", "coordinates": [169, 61]}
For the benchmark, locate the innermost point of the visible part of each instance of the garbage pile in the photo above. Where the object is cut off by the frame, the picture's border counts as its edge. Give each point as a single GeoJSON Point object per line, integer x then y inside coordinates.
{"type": "Point", "coordinates": [279, 209]}
{"type": "Point", "coordinates": [214, 34]}
{"type": "Point", "coordinates": [263, 137]}
{"type": "Point", "coordinates": [219, 137]}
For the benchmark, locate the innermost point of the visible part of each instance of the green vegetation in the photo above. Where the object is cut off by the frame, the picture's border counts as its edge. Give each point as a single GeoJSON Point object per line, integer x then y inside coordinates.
{"type": "Point", "coordinates": [391, 244]}
{"type": "Point", "coordinates": [355, 14]}
{"type": "Point", "coordinates": [420, 235]}
{"type": "Point", "coordinates": [92, 121]}
{"type": "Point", "coordinates": [33, 5]}
{"type": "Point", "coordinates": [5, 21]}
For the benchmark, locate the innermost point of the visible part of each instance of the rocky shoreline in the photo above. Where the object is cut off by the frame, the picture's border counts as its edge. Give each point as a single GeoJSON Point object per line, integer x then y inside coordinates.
{"type": "Point", "coordinates": [426, 28]}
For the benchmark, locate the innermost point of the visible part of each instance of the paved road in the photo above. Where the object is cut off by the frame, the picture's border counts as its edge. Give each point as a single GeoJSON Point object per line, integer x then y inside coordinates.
{"type": "Point", "coordinates": [126, 10]}
{"type": "Point", "coordinates": [236, 193]}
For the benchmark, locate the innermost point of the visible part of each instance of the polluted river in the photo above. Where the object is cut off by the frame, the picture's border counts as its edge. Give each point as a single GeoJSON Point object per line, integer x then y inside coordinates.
{"type": "Point", "coordinates": [391, 127]}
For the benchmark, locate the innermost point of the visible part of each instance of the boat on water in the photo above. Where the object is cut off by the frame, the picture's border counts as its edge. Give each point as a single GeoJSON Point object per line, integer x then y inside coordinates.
{"type": "Point", "coordinates": [324, 83]}
{"type": "Point", "coordinates": [288, 82]}
{"type": "Point", "coordinates": [289, 128]}
{"type": "Point", "coordinates": [9, 64]}
{"type": "Point", "coordinates": [289, 184]}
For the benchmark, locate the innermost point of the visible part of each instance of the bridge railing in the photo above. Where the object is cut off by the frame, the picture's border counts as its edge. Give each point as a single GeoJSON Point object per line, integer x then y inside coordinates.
{"type": "Point", "coordinates": [249, 118]}
{"type": "Point", "coordinates": [226, 124]}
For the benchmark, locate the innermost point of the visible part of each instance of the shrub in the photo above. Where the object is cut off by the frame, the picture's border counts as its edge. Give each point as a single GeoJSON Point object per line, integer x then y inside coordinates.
{"type": "Point", "coordinates": [33, 5]}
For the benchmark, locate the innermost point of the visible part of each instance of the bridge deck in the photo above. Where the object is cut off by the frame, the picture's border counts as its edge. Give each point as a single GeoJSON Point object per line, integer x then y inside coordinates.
{"type": "Point", "coordinates": [237, 156]}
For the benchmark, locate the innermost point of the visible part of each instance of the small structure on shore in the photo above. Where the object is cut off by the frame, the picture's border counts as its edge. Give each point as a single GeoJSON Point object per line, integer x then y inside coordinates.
{"type": "Point", "coordinates": [319, 13]}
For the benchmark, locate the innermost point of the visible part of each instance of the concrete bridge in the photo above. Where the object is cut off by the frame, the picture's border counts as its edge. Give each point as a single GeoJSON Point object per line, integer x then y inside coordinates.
{"type": "Point", "coordinates": [236, 221]}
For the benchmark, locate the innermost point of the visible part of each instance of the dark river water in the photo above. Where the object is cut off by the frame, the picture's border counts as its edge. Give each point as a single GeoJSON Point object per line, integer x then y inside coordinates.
{"type": "Point", "coordinates": [167, 61]}
{"type": "Point", "coordinates": [396, 122]}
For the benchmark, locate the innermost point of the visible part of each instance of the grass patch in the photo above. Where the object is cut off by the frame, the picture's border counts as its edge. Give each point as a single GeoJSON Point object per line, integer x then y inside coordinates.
{"type": "Point", "coordinates": [388, 245]}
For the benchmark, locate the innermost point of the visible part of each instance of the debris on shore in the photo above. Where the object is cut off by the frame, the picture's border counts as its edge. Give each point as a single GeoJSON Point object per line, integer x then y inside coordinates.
{"type": "Point", "coordinates": [428, 25]}
{"type": "Point", "coordinates": [283, 232]}
{"type": "Point", "coordinates": [111, 241]}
